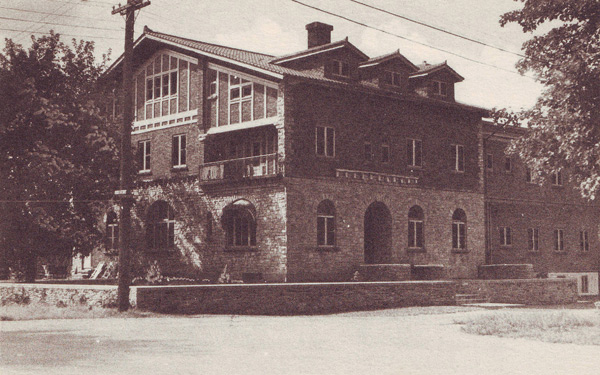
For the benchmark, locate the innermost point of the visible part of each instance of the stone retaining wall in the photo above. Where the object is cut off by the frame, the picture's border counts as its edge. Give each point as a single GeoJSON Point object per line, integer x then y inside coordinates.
{"type": "Point", "coordinates": [290, 299]}
{"type": "Point", "coordinates": [59, 294]}
{"type": "Point", "coordinates": [523, 291]}
{"type": "Point", "coordinates": [505, 271]}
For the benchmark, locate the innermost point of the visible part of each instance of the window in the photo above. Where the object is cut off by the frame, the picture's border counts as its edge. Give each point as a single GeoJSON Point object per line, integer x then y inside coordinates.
{"type": "Point", "coordinates": [459, 230]}
{"type": "Point", "coordinates": [507, 164]}
{"type": "Point", "coordinates": [440, 88]}
{"type": "Point", "coordinates": [415, 227]}
{"type": "Point", "coordinates": [559, 242]}
{"type": "Point", "coordinates": [505, 236]}
{"type": "Point", "coordinates": [528, 176]}
{"type": "Point", "coordinates": [458, 152]}
{"type": "Point", "coordinates": [144, 155]}
{"type": "Point", "coordinates": [240, 100]}
{"type": "Point", "coordinates": [162, 80]}
{"type": "Point", "coordinates": [160, 232]}
{"type": "Point", "coordinates": [385, 153]}
{"type": "Point", "coordinates": [240, 224]}
{"type": "Point", "coordinates": [585, 284]}
{"type": "Point", "coordinates": [325, 141]}
{"type": "Point", "coordinates": [212, 79]}
{"type": "Point", "coordinates": [533, 238]}
{"type": "Point", "coordinates": [414, 153]}
{"type": "Point", "coordinates": [112, 231]}
{"type": "Point", "coordinates": [392, 78]}
{"type": "Point", "coordinates": [325, 223]}
{"type": "Point", "coordinates": [340, 68]}
{"type": "Point", "coordinates": [368, 152]}
{"type": "Point", "coordinates": [178, 156]}
{"type": "Point", "coordinates": [584, 243]}
{"type": "Point", "coordinates": [557, 178]}
{"type": "Point", "coordinates": [489, 162]}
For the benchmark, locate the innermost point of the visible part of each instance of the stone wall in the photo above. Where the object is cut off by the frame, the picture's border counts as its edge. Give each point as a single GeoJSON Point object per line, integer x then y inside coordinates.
{"type": "Point", "coordinates": [506, 271]}
{"type": "Point", "coordinates": [59, 295]}
{"type": "Point", "coordinates": [307, 261]}
{"type": "Point", "coordinates": [288, 299]}
{"type": "Point", "coordinates": [526, 291]}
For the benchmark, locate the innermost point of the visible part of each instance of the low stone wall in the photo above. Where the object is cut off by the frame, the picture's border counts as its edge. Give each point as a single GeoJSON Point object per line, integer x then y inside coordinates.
{"type": "Point", "coordinates": [428, 272]}
{"type": "Point", "coordinates": [523, 291]}
{"type": "Point", "coordinates": [505, 271]}
{"type": "Point", "coordinates": [384, 272]}
{"type": "Point", "coordinates": [289, 299]}
{"type": "Point", "coordinates": [58, 294]}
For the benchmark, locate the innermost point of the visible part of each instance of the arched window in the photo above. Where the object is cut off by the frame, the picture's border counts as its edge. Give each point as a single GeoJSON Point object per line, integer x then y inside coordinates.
{"type": "Point", "coordinates": [326, 223]}
{"type": "Point", "coordinates": [415, 227]}
{"type": "Point", "coordinates": [112, 231]}
{"type": "Point", "coordinates": [239, 222]}
{"type": "Point", "coordinates": [459, 230]}
{"type": "Point", "coordinates": [160, 230]}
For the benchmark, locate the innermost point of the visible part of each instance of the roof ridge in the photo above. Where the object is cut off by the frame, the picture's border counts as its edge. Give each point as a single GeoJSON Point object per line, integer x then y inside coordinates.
{"type": "Point", "coordinates": [147, 29]}
{"type": "Point", "coordinates": [312, 49]}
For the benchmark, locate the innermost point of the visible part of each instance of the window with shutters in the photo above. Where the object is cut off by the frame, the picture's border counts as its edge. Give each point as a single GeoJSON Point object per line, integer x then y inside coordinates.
{"type": "Point", "coordinates": [414, 154]}
{"type": "Point", "coordinates": [178, 158]}
{"type": "Point", "coordinates": [144, 156]}
{"type": "Point", "coordinates": [326, 223]}
{"type": "Point", "coordinates": [415, 228]}
{"type": "Point", "coordinates": [559, 240]}
{"type": "Point", "coordinates": [584, 242]}
{"type": "Point", "coordinates": [459, 230]}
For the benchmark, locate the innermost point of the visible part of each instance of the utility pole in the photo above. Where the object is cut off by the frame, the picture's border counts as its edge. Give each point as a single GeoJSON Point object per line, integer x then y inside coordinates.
{"type": "Point", "coordinates": [125, 181]}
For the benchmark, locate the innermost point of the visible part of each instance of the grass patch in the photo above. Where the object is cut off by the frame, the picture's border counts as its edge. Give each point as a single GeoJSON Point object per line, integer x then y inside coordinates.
{"type": "Point", "coordinates": [575, 327]}
{"type": "Point", "coordinates": [41, 311]}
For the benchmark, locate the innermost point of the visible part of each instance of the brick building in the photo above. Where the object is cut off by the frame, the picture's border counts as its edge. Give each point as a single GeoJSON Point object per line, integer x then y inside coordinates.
{"type": "Point", "coordinates": [303, 167]}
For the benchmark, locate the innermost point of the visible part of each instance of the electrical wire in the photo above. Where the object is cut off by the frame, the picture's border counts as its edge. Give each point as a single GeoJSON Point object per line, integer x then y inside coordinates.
{"type": "Point", "coordinates": [439, 29]}
{"type": "Point", "coordinates": [411, 40]}
{"type": "Point", "coordinates": [59, 24]}
{"type": "Point", "coordinates": [72, 35]}
{"type": "Point", "coordinates": [56, 14]}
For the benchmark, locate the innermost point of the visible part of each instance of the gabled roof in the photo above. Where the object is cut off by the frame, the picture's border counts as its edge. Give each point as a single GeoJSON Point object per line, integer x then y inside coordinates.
{"type": "Point", "coordinates": [390, 56]}
{"type": "Point", "coordinates": [426, 69]}
{"type": "Point", "coordinates": [344, 43]}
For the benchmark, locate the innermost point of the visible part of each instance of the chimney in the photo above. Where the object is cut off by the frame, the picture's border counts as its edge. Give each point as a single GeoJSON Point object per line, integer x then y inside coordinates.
{"type": "Point", "coordinates": [318, 34]}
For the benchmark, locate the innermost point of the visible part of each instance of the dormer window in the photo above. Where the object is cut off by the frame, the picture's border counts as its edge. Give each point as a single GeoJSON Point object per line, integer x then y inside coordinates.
{"type": "Point", "coordinates": [440, 88]}
{"type": "Point", "coordinates": [392, 78]}
{"type": "Point", "coordinates": [341, 68]}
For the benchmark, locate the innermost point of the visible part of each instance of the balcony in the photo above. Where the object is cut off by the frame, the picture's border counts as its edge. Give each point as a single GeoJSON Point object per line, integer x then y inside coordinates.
{"type": "Point", "coordinates": [240, 169]}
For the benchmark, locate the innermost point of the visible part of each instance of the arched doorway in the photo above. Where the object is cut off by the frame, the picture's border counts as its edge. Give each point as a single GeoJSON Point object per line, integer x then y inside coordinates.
{"type": "Point", "coordinates": [378, 234]}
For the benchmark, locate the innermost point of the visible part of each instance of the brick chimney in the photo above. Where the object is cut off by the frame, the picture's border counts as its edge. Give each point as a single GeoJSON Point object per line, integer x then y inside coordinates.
{"type": "Point", "coordinates": [318, 34]}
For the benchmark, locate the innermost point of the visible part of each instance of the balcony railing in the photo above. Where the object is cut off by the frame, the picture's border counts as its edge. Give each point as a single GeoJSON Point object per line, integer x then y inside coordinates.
{"type": "Point", "coordinates": [239, 169]}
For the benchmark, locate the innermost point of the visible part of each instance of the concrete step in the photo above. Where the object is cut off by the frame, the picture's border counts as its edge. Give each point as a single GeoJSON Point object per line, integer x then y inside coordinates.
{"type": "Point", "coordinates": [464, 299]}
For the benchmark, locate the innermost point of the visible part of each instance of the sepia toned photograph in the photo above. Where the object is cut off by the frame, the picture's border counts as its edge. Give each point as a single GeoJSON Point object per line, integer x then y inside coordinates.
{"type": "Point", "coordinates": [299, 187]}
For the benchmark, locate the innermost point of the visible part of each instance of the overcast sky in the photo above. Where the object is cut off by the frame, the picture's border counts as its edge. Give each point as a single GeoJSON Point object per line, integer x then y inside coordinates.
{"type": "Point", "coordinates": [277, 27]}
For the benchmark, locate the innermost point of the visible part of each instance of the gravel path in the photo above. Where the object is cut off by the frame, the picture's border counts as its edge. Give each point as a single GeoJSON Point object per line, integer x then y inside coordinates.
{"type": "Point", "coordinates": [400, 341]}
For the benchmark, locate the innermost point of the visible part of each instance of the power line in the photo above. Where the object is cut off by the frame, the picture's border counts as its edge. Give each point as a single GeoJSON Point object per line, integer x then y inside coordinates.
{"type": "Point", "coordinates": [73, 35]}
{"type": "Point", "coordinates": [439, 29]}
{"type": "Point", "coordinates": [45, 17]}
{"type": "Point", "coordinates": [92, 3]}
{"type": "Point", "coordinates": [59, 24]}
{"type": "Point", "coordinates": [56, 14]}
{"type": "Point", "coordinates": [410, 40]}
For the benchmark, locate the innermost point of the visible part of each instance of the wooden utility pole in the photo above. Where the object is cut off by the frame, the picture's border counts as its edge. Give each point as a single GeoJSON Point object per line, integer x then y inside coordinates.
{"type": "Point", "coordinates": [126, 178]}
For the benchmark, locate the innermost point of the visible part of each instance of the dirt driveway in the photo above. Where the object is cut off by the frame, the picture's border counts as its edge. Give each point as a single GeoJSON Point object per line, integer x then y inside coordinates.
{"type": "Point", "coordinates": [381, 342]}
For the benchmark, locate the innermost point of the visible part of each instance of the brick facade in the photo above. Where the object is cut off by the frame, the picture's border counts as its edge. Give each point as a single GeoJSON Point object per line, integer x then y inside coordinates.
{"type": "Point", "coordinates": [284, 181]}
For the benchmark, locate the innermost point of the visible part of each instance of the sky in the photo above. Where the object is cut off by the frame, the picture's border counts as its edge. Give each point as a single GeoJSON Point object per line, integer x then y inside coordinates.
{"type": "Point", "coordinates": [277, 27]}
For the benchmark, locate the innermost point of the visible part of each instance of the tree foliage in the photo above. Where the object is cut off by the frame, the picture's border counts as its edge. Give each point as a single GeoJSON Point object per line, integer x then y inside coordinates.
{"type": "Point", "coordinates": [58, 157]}
{"type": "Point", "coordinates": [564, 128]}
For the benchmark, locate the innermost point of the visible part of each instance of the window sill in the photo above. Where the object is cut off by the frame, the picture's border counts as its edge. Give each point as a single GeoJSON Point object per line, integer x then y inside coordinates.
{"type": "Point", "coordinates": [560, 252]}
{"type": "Point", "coordinates": [459, 251]}
{"type": "Point", "coordinates": [415, 167]}
{"type": "Point", "coordinates": [144, 173]}
{"type": "Point", "coordinates": [413, 250]}
{"type": "Point", "coordinates": [327, 248]}
{"type": "Point", "coordinates": [240, 249]}
{"type": "Point", "coordinates": [457, 172]}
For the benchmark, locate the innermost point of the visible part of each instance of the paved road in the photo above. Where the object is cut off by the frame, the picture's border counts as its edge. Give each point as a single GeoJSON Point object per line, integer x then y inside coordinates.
{"type": "Point", "coordinates": [383, 342]}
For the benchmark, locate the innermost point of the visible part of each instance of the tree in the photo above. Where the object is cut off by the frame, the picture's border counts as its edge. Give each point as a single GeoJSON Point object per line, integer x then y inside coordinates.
{"type": "Point", "coordinates": [58, 158]}
{"type": "Point", "coordinates": [564, 127]}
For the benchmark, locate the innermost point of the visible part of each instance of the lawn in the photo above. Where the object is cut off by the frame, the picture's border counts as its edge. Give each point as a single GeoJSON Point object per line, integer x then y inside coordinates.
{"type": "Point", "coordinates": [558, 326]}
{"type": "Point", "coordinates": [40, 311]}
